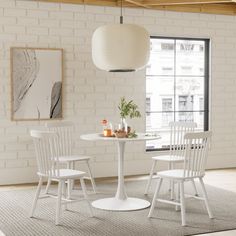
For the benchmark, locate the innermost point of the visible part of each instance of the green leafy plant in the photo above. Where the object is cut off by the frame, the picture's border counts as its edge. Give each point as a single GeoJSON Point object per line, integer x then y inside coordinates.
{"type": "Point", "coordinates": [132, 134]}
{"type": "Point", "coordinates": [128, 109]}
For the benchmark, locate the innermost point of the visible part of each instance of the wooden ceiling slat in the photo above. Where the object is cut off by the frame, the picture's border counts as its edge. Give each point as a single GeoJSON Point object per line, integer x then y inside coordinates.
{"type": "Point", "coordinates": [225, 7]}
{"type": "Point", "coordinates": [182, 2]}
{"type": "Point", "coordinates": [87, 2]}
{"type": "Point", "coordinates": [211, 9]}
{"type": "Point", "coordinates": [137, 3]}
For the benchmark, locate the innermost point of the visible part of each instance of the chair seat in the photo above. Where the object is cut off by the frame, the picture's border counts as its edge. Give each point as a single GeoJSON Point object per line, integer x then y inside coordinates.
{"type": "Point", "coordinates": [73, 158]}
{"type": "Point", "coordinates": [168, 158]}
{"type": "Point", "coordinates": [176, 174]}
{"type": "Point", "coordinates": [67, 174]}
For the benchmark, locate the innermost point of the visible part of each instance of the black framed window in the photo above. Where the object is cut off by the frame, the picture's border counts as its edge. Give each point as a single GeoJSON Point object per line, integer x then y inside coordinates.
{"type": "Point", "coordinates": [177, 86]}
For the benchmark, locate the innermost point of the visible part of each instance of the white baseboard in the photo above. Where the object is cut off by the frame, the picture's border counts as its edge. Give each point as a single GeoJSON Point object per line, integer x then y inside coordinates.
{"type": "Point", "coordinates": [18, 176]}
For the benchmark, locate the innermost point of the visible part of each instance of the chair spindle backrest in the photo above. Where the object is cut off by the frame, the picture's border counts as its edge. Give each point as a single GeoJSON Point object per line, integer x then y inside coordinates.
{"type": "Point", "coordinates": [46, 149]}
{"type": "Point", "coordinates": [64, 130]}
{"type": "Point", "coordinates": [177, 132]}
{"type": "Point", "coordinates": [196, 152]}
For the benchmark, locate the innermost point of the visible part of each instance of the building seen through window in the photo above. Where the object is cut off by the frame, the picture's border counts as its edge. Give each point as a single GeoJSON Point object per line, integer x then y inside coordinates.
{"type": "Point", "coordinates": [187, 46]}
{"type": "Point", "coordinates": [166, 108]}
{"type": "Point", "coordinates": [177, 81]}
{"type": "Point", "coordinates": [185, 104]}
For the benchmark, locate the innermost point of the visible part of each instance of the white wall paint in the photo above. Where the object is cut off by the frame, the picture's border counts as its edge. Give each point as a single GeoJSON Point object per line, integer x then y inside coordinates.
{"type": "Point", "coordinates": [90, 94]}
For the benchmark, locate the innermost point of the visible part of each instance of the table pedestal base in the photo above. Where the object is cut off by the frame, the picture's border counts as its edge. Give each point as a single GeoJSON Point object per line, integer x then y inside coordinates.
{"type": "Point", "coordinates": [114, 204]}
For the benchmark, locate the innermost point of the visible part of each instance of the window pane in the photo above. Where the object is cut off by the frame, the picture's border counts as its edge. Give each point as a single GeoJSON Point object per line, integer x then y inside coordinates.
{"type": "Point", "coordinates": [167, 107]}
{"type": "Point", "coordinates": [161, 57]}
{"type": "Point", "coordinates": [155, 125]}
{"type": "Point", "coordinates": [159, 123]}
{"type": "Point", "coordinates": [148, 106]}
{"type": "Point", "coordinates": [189, 90]}
{"type": "Point", "coordinates": [185, 116]}
{"type": "Point", "coordinates": [160, 93]}
{"type": "Point", "coordinates": [156, 122]}
{"type": "Point", "coordinates": [201, 104]}
{"type": "Point", "coordinates": [164, 142]}
{"type": "Point", "coordinates": [190, 57]}
{"type": "Point", "coordinates": [185, 102]}
{"type": "Point", "coordinates": [196, 116]}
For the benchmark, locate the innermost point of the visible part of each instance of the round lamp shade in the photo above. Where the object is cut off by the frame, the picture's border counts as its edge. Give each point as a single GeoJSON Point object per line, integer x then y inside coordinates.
{"type": "Point", "coordinates": [120, 47]}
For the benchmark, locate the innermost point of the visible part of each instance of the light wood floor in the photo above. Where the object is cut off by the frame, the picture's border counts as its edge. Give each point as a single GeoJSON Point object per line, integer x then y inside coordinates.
{"type": "Point", "coordinates": [224, 178]}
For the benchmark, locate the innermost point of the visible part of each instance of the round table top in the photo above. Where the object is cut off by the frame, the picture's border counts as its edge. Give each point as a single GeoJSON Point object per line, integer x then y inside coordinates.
{"type": "Point", "coordinates": [140, 137]}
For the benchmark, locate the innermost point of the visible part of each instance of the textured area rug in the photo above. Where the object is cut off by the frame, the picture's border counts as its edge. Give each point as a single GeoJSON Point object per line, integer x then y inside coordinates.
{"type": "Point", "coordinates": [15, 206]}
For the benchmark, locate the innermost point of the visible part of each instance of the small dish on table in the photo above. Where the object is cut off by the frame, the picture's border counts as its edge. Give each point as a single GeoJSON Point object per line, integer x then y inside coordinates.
{"type": "Point", "coordinates": [121, 134]}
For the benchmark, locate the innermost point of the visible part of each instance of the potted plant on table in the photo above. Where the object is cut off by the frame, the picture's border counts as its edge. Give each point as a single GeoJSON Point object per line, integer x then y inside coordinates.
{"type": "Point", "coordinates": [128, 109]}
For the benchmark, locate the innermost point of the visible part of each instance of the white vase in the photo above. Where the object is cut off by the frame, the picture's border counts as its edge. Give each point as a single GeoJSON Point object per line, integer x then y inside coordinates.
{"type": "Point", "coordinates": [123, 124]}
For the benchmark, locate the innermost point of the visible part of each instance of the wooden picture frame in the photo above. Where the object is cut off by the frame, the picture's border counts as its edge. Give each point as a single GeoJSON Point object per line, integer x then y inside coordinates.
{"type": "Point", "coordinates": [36, 83]}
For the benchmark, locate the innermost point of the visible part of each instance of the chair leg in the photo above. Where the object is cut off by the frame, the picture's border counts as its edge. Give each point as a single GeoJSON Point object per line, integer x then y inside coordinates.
{"type": "Point", "coordinates": [48, 186]}
{"type": "Point", "coordinates": [150, 177]}
{"type": "Point", "coordinates": [177, 208]}
{"type": "Point", "coordinates": [172, 183]}
{"type": "Point", "coordinates": [194, 187]}
{"type": "Point", "coordinates": [91, 177]}
{"type": "Point", "coordinates": [83, 186]}
{"type": "Point", "coordinates": [154, 197]}
{"type": "Point", "coordinates": [64, 193]}
{"type": "Point", "coordinates": [172, 190]}
{"type": "Point", "coordinates": [36, 196]}
{"type": "Point", "coordinates": [69, 183]}
{"type": "Point", "coordinates": [58, 205]}
{"type": "Point", "coordinates": [182, 201]}
{"type": "Point", "coordinates": [73, 181]}
{"type": "Point", "coordinates": [206, 198]}
{"type": "Point", "coordinates": [169, 168]}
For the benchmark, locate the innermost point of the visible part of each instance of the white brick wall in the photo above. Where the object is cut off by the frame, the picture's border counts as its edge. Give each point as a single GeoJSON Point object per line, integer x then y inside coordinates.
{"type": "Point", "coordinates": [91, 94]}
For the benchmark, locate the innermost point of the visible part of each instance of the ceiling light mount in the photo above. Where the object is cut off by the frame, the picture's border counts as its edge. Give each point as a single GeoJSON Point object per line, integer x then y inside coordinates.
{"type": "Point", "coordinates": [121, 12]}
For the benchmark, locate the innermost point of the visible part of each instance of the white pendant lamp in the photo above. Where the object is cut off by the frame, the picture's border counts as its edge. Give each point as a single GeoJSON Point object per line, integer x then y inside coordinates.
{"type": "Point", "coordinates": [120, 47]}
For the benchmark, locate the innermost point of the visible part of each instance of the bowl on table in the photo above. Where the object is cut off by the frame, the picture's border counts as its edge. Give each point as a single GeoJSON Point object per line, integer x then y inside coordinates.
{"type": "Point", "coordinates": [121, 134]}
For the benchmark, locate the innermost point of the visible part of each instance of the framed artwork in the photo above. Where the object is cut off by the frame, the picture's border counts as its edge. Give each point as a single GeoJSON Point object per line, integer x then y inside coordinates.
{"type": "Point", "coordinates": [36, 83]}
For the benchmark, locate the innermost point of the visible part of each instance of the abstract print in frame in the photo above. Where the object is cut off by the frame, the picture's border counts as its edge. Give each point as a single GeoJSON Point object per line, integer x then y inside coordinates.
{"type": "Point", "coordinates": [36, 77]}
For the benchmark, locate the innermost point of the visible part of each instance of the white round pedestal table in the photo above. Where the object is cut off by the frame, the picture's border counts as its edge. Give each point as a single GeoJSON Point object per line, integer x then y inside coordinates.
{"type": "Point", "coordinates": [121, 202]}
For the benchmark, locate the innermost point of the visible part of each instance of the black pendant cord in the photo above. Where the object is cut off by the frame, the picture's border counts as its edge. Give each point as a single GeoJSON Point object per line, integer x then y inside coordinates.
{"type": "Point", "coordinates": [121, 12]}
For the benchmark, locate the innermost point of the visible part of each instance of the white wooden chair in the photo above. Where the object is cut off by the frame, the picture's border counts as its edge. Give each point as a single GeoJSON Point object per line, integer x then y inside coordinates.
{"type": "Point", "coordinates": [65, 131]}
{"type": "Point", "coordinates": [177, 132]}
{"type": "Point", "coordinates": [195, 158]}
{"type": "Point", "coordinates": [47, 156]}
